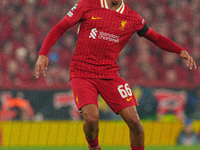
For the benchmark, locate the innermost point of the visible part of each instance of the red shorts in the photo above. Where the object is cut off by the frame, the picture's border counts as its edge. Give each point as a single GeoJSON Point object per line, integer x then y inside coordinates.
{"type": "Point", "coordinates": [116, 92]}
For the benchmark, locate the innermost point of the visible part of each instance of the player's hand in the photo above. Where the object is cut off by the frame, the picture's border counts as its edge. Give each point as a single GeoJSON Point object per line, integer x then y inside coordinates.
{"type": "Point", "coordinates": [190, 61]}
{"type": "Point", "coordinates": [41, 65]}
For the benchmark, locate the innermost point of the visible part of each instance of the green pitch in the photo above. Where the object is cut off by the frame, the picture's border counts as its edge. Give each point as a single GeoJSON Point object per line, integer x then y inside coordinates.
{"type": "Point", "coordinates": [103, 148]}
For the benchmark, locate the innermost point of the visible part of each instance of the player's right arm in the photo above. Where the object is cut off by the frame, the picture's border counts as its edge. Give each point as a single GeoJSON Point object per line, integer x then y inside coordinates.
{"type": "Point", "coordinates": [73, 16]}
{"type": "Point", "coordinates": [51, 39]}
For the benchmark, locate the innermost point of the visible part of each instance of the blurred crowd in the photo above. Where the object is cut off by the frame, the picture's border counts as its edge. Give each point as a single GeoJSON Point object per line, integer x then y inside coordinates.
{"type": "Point", "coordinates": [24, 24]}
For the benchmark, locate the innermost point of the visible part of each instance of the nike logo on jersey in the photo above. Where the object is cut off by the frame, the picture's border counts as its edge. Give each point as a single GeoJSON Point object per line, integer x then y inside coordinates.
{"type": "Point", "coordinates": [95, 18]}
{"type": "Point", "coordinates": [128, 99]}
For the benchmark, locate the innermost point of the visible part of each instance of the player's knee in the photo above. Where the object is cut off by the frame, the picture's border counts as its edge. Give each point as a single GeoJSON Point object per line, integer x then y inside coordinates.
{"type": "Point", "coordinates": [136, 126]}
{"type": "Point", "coordinates": [92, 121]}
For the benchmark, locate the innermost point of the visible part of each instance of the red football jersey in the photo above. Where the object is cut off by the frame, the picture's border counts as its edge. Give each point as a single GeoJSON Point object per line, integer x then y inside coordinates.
{"type": "Point", "coordinates": [102, 35]}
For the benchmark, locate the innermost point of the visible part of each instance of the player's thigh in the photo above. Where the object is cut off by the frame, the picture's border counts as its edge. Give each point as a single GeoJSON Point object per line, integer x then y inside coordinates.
{"type": "Point", "coordinates": [117, 94]}
{"type": "Point", "coordinates": [84, 92]}
{"type": "Point", "coordinates": [130, 115]}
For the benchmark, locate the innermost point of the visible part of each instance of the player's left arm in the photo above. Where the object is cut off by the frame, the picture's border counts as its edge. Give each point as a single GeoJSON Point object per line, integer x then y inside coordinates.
{"type": "Point", "coordinates": [167, 45]}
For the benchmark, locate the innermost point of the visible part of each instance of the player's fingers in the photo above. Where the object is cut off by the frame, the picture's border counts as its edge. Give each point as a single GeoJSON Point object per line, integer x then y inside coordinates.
{"type": "Point", "coordinates": [189, 59]}
{"type": "Point", "coordinates": [193, 64]}
{"type": "Point", "coordinates": [43, 70]}
{"type": "Point", "coordinates": [46, 64]}
{"type": "Point", "coordinates": [37, 70]}
{"type": "Point", "coordinates": [189, 62]}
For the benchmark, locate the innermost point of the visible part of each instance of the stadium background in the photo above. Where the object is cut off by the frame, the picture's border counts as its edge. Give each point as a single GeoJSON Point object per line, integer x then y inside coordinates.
{"type": "Point", "coordinates": [151, 72]}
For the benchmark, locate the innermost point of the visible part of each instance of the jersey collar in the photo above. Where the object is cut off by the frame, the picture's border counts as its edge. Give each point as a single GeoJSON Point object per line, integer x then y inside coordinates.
{"type": "Point", "coordinates": [105, 5]}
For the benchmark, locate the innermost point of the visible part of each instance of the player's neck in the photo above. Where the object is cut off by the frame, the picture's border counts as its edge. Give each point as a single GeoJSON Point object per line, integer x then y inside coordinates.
{"type": "Point", "coordinates": [114, 5]}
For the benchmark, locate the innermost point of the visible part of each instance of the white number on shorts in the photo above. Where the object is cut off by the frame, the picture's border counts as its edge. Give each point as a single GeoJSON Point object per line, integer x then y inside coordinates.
{"type": "Point", "coordinates": [124, 90]}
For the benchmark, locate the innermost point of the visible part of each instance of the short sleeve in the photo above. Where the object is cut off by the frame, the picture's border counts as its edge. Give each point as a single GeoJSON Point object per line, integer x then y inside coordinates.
{"type": "Point", "coordinates": [76, 12]}
{"type": "Point", "coordinates": [141, 25]}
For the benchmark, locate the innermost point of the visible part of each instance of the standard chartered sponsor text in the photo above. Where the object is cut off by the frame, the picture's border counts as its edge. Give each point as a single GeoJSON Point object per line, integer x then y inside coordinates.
{"type": "Point", "coordinates": [108, 37]}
